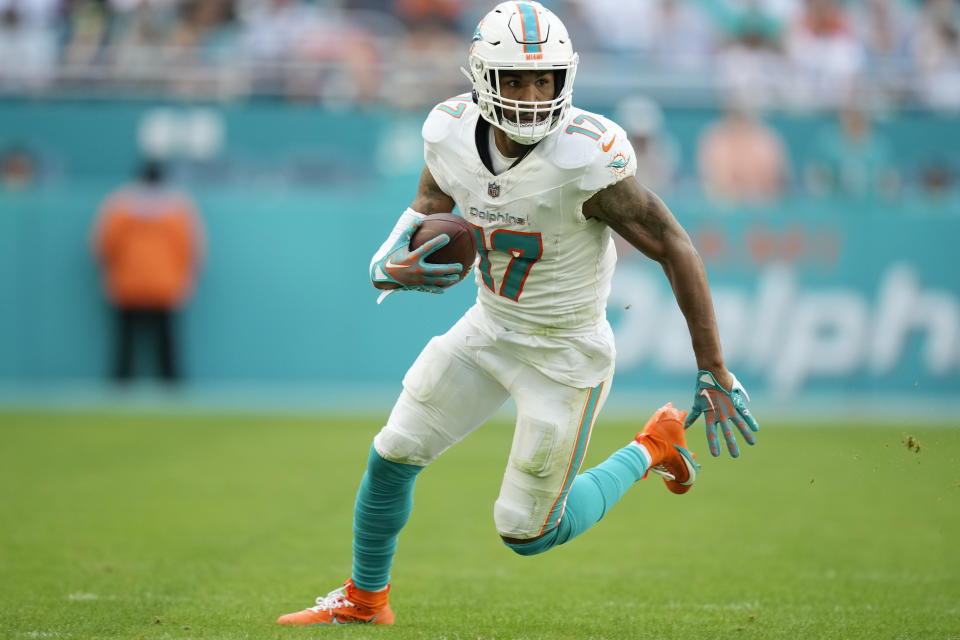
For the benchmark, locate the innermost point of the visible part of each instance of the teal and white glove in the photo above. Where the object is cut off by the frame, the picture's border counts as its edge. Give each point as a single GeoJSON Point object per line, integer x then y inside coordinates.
{"type": "Point", "coordinates": [720, 408]}
{"type": "Point", "coordinates": [408, 270]}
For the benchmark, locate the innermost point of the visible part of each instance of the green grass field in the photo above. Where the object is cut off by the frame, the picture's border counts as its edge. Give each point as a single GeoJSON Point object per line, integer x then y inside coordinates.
{"type": "Point", "coordinates": [170, 526]}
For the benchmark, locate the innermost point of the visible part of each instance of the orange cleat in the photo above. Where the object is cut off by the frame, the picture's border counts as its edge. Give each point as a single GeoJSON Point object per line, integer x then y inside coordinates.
{"type": "Point", "coordinates": [666, 442]}
{"type": "Point", "coordinates": [346, 605]}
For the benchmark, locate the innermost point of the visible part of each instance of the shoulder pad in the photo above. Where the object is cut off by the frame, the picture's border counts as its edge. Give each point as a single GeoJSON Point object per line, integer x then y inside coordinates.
{"type": "Point", "coordinates": [595, 145]}
{"type": "Point", "coordinates": [581, 138]}
{"type": "Point", "coordinates": [445, 117]}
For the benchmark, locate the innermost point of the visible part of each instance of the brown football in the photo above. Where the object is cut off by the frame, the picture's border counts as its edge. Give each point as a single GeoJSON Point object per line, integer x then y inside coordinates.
{"type": "Point", "coordinates": [462, 247]}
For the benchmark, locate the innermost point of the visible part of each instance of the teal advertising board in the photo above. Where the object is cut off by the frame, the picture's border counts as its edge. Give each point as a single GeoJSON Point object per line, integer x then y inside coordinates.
{"type": "Point", "coordinates": [811, 295]}
{"type": "Point", "coordinates": [807, 299]}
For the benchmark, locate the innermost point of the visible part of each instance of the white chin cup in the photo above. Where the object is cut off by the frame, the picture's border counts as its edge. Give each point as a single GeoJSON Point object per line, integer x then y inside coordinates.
{"type": "Point", "coordinates": [528, 133]}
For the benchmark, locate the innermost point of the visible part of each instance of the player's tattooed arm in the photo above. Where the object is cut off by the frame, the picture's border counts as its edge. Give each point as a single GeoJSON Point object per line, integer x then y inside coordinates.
{"type": "Point", "coordinates": [639, 216]}
{"type": "Point", "coordinates": [430, 197]}
{"type": "Point", "coordinates": [643, 220]}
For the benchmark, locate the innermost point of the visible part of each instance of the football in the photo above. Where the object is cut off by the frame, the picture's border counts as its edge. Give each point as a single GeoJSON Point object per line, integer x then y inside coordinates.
{"type": "Point", "coordinates": [462, 247]}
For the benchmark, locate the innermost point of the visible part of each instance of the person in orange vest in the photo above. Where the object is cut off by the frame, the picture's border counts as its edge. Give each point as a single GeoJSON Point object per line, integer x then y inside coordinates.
{"type": "Point", "coordinates": [149, 240]}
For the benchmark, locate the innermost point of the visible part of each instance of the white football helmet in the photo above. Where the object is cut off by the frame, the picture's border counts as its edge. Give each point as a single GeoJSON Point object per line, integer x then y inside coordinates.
{"type": "Point", "coordinates": [521, 36]}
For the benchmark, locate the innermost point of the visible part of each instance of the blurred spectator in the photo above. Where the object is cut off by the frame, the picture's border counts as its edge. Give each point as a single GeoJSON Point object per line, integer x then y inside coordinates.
{"type": "Point", "coordinates": [781, 11]}
{"type": "Point", "coordinates": [682, 36]}
{"type": "Point", "coordinates": [671, 34]}
{"type": "Point", "coordinates": [937, 53]}
{"type": "Point", "coordinates": [742, 160]}
{"type": "Point", "coordinates": [752, 62]}
{"type": "Point", "coordinates": [656, 151]}
{"type": "Point", "coordinates": [40, 13]}
{"type": "Point", "coordinates": [937, 178]}
{"type": "Point", "coordinates": [310, 52]}
{"type": "Point", "coordinates": [852, 160]}
{"type": "Point", "coordinates": [140, 33]}
{"type": "Point", "coordinates": [270, 31]}
{"type": "Point", "coordinates": [126, 6]}
{"type": "Point", "coordinates": [201, 46]}
{"type": "Point", "coordinates": [885, 28]}
{"type": "Point", "coordinates": [379, 6]}
{"type": "Point", "coordinates": [630, 32]}
{"type": "Point", "coordinates": [28, 46]}
{"type": "Point", "coordinates": [336, 59]}
{"type": "Point", "coordinates": [87, 28]}
{"type": "Point", "coordinates": [825, 54]}
{"type": "Point", "coordinates": [417, 77]}
{"type": "Point", "coordinates": [361, 50]}
{"type": "Point", "coordinates": [440, 12]}
{"type": "Point", "coordinates": [18, 169]}
{"type": "Point", "coordinates": [149, 241]}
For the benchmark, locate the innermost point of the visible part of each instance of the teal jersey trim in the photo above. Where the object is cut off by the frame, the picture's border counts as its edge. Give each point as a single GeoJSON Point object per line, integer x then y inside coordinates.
{"type": "Point", "coordinates": [580, 449]}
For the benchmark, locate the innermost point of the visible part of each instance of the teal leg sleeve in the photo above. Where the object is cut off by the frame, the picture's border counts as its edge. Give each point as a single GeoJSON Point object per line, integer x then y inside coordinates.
{"type": "Point", "coordinates": [383, 505]}
{"type": "Point", "coordinates": [592, 494]}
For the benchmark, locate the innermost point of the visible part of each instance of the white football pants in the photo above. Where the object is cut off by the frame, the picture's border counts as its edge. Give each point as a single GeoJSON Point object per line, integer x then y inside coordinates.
{"type": "Point", "coordinates": [457, 383]}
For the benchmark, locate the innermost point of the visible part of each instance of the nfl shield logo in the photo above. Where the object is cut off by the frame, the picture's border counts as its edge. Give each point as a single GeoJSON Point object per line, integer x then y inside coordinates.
{"type": "Point", "coordinates": [493, 189]}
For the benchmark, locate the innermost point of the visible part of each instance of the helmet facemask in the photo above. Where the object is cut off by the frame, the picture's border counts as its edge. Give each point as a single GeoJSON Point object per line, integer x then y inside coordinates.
{"type": "Point", "coordinates": [515, 37]}
{"type": "Point", "coordinates": [525, 122]}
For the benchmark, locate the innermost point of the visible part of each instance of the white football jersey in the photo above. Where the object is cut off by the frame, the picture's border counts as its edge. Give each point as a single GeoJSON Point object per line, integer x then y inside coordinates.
{"type": "Point", "coordinates": [543, 269]}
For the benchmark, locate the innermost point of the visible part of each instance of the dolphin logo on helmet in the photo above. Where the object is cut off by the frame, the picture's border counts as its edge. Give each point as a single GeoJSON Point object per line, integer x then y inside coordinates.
{"type": "Point", "coordinates": [521, 36]}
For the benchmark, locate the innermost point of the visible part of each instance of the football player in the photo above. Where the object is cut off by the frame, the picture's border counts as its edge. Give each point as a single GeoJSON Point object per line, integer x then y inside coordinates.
{"type": "Point", "coordinates": [543, 184]}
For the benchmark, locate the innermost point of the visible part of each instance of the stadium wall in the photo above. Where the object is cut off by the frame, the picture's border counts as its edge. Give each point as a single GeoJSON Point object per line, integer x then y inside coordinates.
{"type": "Point", "coordinates": [814, 296]}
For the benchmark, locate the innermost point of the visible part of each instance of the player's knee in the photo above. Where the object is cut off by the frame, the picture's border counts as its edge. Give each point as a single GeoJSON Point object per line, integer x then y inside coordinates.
{"type": "Point", "coordinates": [397, 446]}
{"type": "Point", "coordinates": [514, 520]}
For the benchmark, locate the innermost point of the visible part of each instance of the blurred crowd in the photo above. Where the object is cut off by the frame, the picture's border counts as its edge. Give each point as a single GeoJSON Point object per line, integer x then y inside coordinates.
{"type": "Point", "coordinates": [852, 59]}
{"type": "Point", "coordinates": [798, 53]}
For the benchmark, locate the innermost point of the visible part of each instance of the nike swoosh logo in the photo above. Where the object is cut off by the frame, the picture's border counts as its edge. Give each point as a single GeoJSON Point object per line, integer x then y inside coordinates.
{"type": "Point", "coordinates": [706, 396]}
{"type": "Point", "coordinates": [606, 147]}
{"type": "Point", "coordinates": [393, 265]}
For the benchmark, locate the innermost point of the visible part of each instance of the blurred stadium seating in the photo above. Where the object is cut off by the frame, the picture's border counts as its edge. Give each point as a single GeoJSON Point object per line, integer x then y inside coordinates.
{"type": "Point", "coordinates": [295, 125]}
{"type": "Point", "coordinates": [792, 53]}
